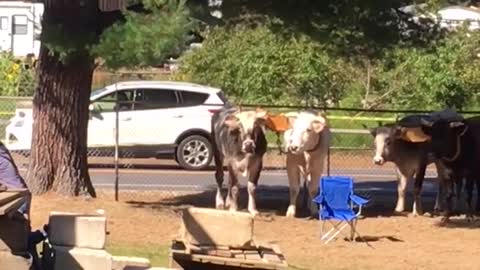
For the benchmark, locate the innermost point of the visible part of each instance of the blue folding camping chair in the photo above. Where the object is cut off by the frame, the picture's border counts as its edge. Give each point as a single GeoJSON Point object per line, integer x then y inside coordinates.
{"type": "Point", "coordinates": [337, 203]}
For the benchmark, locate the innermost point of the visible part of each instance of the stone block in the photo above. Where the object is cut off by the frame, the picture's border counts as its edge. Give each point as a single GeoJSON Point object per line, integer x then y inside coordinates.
{"type": "Point", "coordinates": [205, 226]}
{"type": "Point", "coordinates": [73, 258]}
{"type": "Point", "coordinates": [77, 230]}
{"type": "Point", "coordinates": [14, 233]}
{"type": "Point", "coordinates": [130, 263]}
{"type": "Point", "coordinates": [10, 261]}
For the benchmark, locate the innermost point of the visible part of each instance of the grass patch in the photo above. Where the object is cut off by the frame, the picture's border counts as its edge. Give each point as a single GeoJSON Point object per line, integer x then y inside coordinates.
{"type": "Point", "coordinates": [157, 254]}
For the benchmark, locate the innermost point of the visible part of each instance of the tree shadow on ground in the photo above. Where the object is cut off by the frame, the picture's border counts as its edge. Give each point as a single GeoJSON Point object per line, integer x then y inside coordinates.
{"type": "Point", "coordinates": [274, 200]}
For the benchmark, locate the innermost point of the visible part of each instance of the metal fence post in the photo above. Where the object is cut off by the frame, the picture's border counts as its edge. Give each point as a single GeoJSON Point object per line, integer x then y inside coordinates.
{"type": "Point", "coordinates": [328, 149]}
{"type": "Point", "coordinates": [116, 143]}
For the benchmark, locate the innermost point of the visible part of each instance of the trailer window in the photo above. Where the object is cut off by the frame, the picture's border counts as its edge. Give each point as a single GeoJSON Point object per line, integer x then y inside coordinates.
{"type": "Point", "coordinates": [20, 25]}
{"type": "Point", "coordinates": [3, 23]}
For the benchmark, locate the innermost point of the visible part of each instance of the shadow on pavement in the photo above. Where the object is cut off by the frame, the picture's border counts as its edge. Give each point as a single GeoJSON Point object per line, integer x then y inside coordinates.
{"type": "Point", "coordinates": [274, 200]}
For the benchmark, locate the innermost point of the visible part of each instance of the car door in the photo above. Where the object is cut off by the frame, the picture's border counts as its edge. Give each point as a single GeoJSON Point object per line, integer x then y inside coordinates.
{"type": "Point", "coordinates": [156, 116]}
{"type": "Point", "coordinates": [194, 114]}
{"type": "Point", "coordinates": [101, 126]}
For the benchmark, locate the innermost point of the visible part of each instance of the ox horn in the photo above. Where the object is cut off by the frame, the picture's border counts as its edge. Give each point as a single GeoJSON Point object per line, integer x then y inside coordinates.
{"type": "Point", "coordinates": [456, 124]}
{"type": "Point", "coordinates": [426, 122]}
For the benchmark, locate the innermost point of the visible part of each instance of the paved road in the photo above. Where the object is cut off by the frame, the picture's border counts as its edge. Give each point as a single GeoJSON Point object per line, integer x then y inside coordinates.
{"type": "Point", "coordinates": [381, 180]}
{"type": "Point", "coordinates": [179, 180]}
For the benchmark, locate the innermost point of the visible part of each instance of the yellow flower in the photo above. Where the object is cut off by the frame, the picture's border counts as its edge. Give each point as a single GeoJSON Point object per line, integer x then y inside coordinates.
{"type": "Point", "coordinates": [15, 67]}
{"type": "Point", "coordinates": [9, 77]}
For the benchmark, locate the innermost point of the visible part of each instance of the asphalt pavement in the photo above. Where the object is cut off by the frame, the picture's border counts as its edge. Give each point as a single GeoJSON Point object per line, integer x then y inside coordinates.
{"type": "Point", "coordinates": [379, 180]}
{"type": "Point", "coordinates": [180, 180]}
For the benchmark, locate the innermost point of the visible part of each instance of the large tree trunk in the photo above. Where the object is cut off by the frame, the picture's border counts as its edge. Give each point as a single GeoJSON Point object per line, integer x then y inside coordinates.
{"type": "Point", "coordinates": [58, 159]}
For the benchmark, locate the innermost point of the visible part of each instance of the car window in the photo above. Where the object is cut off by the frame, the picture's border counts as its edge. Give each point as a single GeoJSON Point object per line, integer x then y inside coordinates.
{"type": "Point", "coordinates": [107, 103]}
{"type": "Point", "coordinates": [193, 98]}
{"type": "Point", "coordinates": [223, 98]}
{"type": "Point", "coordinates": [149, 99]}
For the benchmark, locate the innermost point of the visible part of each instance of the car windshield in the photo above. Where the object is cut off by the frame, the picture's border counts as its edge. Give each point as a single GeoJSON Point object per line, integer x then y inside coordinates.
{"type": "Point", "coordinates": [98, 92]}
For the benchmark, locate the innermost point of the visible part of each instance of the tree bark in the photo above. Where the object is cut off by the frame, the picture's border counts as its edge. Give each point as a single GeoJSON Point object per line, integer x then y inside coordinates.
{"type": "Point", "coordinates": [58, 159]}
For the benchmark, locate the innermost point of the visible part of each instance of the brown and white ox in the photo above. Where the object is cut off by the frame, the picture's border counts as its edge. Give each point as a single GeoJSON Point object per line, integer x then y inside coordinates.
{"type": "Point", "coordinates": [238, 140]}
{"type": "Point", "coordinates": [306, 144]}
{"type": "Point", "coordinates": [410, 151]}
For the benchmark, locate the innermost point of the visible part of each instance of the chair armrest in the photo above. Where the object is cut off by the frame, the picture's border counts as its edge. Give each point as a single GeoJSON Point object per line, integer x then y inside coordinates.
{"type": "Point", "coordinates": [318, 199]}
{"type": "Point", "coordinates": [358, 200]}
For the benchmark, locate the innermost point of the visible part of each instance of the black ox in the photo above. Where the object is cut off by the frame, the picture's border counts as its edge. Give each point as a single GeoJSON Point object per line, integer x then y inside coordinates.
{"type": "Point", "coordinates": [455, 143]}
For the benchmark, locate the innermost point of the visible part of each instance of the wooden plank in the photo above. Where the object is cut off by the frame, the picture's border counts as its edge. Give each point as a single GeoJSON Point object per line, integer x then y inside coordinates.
{"type": "Point", "coordinates": [252, 255]}
{"type": "Point", "coordinates": [276, 249]}
{"type": "Point", "coordinates": [240, 256]}
{"type": "Point", "coordinates": [8, 196]}
{"type": "Point", "coordinates": [271, 257]}
{"type": "Point", "coordinates": [11, 206]}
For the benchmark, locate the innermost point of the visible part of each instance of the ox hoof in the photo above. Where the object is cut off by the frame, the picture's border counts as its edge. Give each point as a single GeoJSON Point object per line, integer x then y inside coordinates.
{"type": "Point", "coordinates": [254, 213]}
{"type": "Point", "coordinates": [416, 214]}
{"type": "Point", "coordinates": [444, 220]}
{"type": "Point", "coordinates": [291, 212]}
{"type": "Point", "coordinates": [220, 206]}
{"type": "Point", "coordinates": [398, 213]}
{"type": "Point", "coordinates": [428, 214]}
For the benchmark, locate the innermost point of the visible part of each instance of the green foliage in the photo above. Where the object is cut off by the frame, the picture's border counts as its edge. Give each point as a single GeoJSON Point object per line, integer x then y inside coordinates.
{"type": "Point", "coordinates": [67, 44]}
{"type": "Point", "coordinates": [146, 39]}
{"type": "Point", "coordinates": [257, 65]}
{"type": "Point", "coordinates": [448, 75]}
{"type": "Point", "coordinates": [15, 79]}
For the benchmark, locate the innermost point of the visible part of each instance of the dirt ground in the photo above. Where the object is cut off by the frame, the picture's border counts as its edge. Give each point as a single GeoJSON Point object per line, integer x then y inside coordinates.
{"type": "Point", "coordinates": [393, 242]}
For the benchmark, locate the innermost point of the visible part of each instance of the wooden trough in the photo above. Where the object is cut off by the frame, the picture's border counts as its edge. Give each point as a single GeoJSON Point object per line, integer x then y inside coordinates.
{"type": "Point", "coordinates": [216, 239]}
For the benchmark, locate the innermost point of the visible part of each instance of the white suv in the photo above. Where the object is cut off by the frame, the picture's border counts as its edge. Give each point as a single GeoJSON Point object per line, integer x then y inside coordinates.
{"type": "Point", "coordinates": [156, 119]}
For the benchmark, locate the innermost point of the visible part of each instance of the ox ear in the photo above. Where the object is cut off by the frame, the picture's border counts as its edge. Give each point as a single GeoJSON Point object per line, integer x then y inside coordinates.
{"type": "Point", "coordinates": [261, 113]}
{"type": "Point", "coordinates": [231, 122]}
{"type": "Point", "coordinates": [292, 116]}
{"type": "Point", "coordinates": [318, 124]}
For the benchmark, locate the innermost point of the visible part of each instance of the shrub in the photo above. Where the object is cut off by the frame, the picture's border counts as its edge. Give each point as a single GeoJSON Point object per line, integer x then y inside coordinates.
{"type": "Point", "coordinates": [15, 78]}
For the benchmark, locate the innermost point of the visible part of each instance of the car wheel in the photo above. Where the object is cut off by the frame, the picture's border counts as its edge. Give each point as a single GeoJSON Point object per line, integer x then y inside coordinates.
{"type": "Point", "coordinates": [194, 153]}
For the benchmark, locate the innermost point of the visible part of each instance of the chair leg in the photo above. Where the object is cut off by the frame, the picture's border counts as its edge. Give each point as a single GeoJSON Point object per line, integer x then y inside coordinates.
{"type": "Point", "coordinates": [338, 231]}
{"type": "Point", "coordinates": [334, 226]}
{"type": "Point", "coordinates": [352, 230]}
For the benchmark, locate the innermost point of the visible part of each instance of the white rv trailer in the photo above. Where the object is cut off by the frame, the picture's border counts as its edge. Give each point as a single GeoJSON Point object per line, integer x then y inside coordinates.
{"type": "Point", "coordinates": [20, 27]}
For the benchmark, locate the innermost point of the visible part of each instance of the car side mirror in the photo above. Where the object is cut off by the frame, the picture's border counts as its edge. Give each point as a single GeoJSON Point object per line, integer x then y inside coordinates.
{"type": "Point", "coordinates": [94, 112]}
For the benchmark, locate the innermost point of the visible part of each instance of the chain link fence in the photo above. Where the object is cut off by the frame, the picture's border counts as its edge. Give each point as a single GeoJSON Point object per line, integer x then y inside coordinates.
{"type": "Point", "coordinates": [137, 172]}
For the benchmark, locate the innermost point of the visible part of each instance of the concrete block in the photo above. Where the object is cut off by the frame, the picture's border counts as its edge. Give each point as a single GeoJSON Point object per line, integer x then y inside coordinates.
{"type": "Point", "coordinates": [77, 230]}
{"type": "Point", "coordinates": [205, 226]}
{"type": "Point", "coordinates": [14, 233]}
{"type": "Point", "coordinates": [9, 261]}
{"type": "Point", "coordinates": [73, 258]}
{"type": "Point", "coordinates": [130, 263]}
